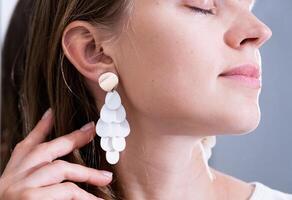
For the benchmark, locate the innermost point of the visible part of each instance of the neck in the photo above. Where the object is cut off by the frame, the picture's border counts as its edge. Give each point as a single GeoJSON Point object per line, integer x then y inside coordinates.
{"type": "Point", "coordinates": [163, 166]}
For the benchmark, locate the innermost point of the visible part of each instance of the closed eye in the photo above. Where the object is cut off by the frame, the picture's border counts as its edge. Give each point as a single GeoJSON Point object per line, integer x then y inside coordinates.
{"type": "Point", "coordinates": [202, 11]}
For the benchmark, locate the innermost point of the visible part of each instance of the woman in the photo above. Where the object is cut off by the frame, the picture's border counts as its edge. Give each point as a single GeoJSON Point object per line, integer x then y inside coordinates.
{"type": "Point", "coordinates": [185, 71]}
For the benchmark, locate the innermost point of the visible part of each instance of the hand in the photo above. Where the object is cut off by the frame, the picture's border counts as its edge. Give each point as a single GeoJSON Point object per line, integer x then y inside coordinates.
{"type": "Point", "coordinates": [33, 173]}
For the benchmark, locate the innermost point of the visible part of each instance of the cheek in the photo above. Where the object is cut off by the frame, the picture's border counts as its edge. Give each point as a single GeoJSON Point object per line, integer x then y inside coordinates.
{"type": "Point", "coordinates": [167, 71]}
{"type": "Point", "coordinates": [166, 66]}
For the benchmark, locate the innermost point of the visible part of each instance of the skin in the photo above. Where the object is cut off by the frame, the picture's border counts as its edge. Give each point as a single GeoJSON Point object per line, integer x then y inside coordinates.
{"type": "Point", "coordinates": [168, 60]}
{"type": "Point", "coordinates": [35, 172]}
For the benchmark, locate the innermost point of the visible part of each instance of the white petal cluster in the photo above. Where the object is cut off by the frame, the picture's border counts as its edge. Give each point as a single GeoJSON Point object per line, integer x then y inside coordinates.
{"type": "Point", "coordinates": [112, 127]}
{"type": "Point", "coordinates": [207, 143]}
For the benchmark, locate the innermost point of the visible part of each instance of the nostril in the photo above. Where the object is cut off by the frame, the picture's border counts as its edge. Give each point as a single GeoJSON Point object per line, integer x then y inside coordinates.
{"type": "Point", "coordinates": [243, 42]}
{"type": "Point", "coordinates": [248, 40]}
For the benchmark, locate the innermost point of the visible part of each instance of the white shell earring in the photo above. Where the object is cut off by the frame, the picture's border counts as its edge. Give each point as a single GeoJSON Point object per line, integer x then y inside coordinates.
{"type": "Point", "coordinates": [207, 143]}
{"type": "Point", "coordinates": [112, 125]}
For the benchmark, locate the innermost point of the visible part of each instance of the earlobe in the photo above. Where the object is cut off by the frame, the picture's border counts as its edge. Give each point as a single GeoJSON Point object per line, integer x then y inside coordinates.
{"type": "Point", "coordinates": [82, 45]}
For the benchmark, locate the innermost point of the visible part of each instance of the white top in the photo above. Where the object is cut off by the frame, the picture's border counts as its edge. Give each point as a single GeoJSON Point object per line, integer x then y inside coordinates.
{"type": "Point", "coordinates": [263, 192]}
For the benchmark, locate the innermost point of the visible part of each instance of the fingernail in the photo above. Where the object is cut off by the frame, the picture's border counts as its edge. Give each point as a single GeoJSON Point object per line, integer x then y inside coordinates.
{"type": "Point", "coordinates": [87, 126]}
{"type": "Point", "coordinates": [47, 113]}
{"type": "Point", "coordinates": [107, 174]}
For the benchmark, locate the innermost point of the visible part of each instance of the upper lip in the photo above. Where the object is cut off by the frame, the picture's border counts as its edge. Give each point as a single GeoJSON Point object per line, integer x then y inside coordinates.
{"type": "Point", "coordinates": [249, 70]}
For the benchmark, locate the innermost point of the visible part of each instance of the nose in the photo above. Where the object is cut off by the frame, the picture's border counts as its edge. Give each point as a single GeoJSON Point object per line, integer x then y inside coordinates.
{"type": "Point", "coordinates": [247, 30]}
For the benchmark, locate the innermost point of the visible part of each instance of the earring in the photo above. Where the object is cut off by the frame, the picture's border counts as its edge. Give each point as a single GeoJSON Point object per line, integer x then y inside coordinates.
{"type": "Point", "coordinates": [206, 144]}
{"type": "Point", "coordinates": [112, 125]}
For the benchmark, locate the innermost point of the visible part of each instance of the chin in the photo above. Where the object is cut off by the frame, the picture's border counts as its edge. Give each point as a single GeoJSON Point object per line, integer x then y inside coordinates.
{"type": "Point", "coordinates": [241, 123]}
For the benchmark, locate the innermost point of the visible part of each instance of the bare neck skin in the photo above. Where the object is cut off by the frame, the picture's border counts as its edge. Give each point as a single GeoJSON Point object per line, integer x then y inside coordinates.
{"type": "Point", "coordinates": [170, 167]}
{"type": "Point", "coordinates": [165, 167]}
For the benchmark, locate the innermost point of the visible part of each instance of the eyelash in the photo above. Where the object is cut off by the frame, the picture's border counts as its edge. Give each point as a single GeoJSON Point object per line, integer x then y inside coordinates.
{"type": "Point", "coordinates": [202, 11]}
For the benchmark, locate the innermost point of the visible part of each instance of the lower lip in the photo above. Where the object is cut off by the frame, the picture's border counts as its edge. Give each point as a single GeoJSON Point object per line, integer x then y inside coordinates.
{"type": "Point", "coordinates": [245, 80]}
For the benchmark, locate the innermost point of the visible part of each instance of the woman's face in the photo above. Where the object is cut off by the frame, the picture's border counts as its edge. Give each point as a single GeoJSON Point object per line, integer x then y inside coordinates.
{"type": "Point", "coordinates": [170, 57]}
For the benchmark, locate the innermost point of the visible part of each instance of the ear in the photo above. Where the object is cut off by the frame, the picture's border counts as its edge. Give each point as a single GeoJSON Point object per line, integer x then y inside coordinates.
{"type": "Point", "coordinates": [85, 48]}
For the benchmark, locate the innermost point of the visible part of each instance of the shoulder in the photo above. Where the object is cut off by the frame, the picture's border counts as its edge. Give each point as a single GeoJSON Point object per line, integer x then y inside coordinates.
{"type": "Point", "coordinates": [263, 192]}
{"type": "Point", "coordinates": [229, 187]}
{"type": "Point", "coordinates": [238, 189]}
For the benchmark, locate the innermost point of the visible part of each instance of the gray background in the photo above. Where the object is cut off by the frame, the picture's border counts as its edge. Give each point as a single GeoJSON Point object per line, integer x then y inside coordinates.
{"type": "Point", "coordinates": [265, 155]}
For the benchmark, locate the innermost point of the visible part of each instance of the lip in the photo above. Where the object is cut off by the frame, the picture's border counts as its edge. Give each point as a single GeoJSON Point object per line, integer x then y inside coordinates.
{"type": "Point", "coordinates": [246, 74]}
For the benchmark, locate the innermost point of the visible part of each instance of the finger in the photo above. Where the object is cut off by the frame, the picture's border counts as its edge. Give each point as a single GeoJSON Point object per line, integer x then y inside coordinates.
{"type": "Point", "coordinates": [60, 170]}
{"type": "Point", "coordinates": [41, 130]}
{"type": "Point", "coordinates": [49, 151]}
{"type": "Point", "coordinates": [36, 136]}
{"type": "Point", "coordinates": [62, 191]}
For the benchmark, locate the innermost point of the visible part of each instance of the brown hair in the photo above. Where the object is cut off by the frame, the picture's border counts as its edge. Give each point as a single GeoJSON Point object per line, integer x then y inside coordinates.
{"type": "Point", "coordinates": [37, 75]}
